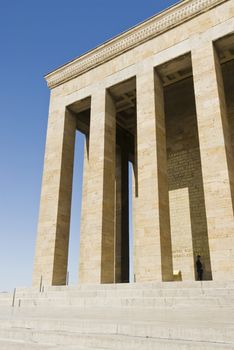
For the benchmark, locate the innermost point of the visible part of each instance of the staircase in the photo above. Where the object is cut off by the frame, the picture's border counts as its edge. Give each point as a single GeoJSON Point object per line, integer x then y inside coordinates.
{"type": "Point", "coordinates": [169, 315]}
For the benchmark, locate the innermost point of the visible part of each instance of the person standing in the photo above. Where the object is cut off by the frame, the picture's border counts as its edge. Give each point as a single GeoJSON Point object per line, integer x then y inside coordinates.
{"type": "Point", "coordinates": [199, 268]}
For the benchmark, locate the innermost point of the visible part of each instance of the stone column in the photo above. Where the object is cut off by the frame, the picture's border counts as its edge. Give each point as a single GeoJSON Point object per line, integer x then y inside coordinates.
{"type": "Point", "coordinates": [97, 258]}
{"type": "Point", "coordinates": [153, 255]}
{"type": "Point", "coordinates": [54, 218]}
{"type": "Point", "coordinates": [216, 158]}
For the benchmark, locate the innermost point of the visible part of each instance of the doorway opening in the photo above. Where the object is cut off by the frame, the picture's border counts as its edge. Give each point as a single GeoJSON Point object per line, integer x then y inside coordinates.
{"type": "Point", "coordinates": [124, 97]}
{"type": "Point", "coordinates": [81, 111]}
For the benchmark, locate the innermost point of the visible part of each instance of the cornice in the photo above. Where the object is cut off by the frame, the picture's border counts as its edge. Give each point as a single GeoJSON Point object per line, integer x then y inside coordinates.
{"type": "Point", "coordinates": [152, 27]}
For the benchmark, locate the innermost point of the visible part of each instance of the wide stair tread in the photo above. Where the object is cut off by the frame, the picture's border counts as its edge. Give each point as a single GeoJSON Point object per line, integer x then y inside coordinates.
{"type": "Point", "coordinates": [75, 341]}
{"type": "Point", "coordinates": [169, 316]}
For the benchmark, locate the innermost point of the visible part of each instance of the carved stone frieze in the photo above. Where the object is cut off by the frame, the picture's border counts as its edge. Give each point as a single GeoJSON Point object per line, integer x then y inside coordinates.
{"type": "Point", "coordinates": [133, 37]}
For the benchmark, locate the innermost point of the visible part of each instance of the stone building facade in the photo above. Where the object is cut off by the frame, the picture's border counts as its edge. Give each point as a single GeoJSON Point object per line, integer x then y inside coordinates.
{"type": "Point", "coordinates": [160, 96]}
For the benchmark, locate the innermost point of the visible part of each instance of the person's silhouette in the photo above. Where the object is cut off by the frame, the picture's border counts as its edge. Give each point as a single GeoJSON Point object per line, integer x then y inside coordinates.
{"type": "Point", "coordinates": [199, 268]}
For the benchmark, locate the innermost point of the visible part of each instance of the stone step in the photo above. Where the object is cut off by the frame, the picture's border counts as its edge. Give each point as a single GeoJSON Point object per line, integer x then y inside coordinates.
{"type": "Point", "coordinates": [6, 302]}
{"type": "Point", "coordinates": [117, 317]}
{"type": "Point", "coordinates": [218, 298]}
{"type": "Point", "coordinates": [6, 298]}
{"type": "Point", "coordinates": [155, 302]}
{"type": "Point", "coordinates": [5, 295]}
{"type": "Point", "coordinates": [6, 344]}
{"type": "Point", "coordinates": [128, 291]}
{"type": "Point", "coordinates": [141, 292]}
{"type": "Point", "coordinates": [164, 329]}
{"type": "Point", "coordinates": [135, 286]}
{"type": "Point", "coordinates": [73, 340]}
{"type": "Point", "coordinates": [181, 316]}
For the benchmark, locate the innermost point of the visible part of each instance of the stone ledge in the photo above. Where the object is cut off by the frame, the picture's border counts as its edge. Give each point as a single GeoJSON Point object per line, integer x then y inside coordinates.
{"type": "Point", "coordinates": [152, 27]}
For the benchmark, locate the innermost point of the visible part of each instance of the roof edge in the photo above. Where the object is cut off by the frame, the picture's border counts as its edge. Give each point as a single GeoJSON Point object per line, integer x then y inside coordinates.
{"type": "Point", "coordinates": [152, 27]}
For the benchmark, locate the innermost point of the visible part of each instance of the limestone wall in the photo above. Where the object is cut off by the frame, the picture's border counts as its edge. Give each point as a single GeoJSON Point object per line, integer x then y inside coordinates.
{"type": "Point", "coordinates": [187, 206]}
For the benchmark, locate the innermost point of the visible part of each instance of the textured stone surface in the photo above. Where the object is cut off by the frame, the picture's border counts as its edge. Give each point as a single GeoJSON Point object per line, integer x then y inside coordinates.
{"type": "Point", "coordinates": [97, 258]}
{"type": "Point", "coordinates": [122, 316]}
{"type": "Point", "coordinates": [216, 158]}
{"type": "Point", "coordinates": [153, 259]}
{"type": "Point", "coordinates": [187, 203]}
{"type": "Point", "coordinates": [50, 265]}
{"type": "Point", "coordinates": [186, 156]}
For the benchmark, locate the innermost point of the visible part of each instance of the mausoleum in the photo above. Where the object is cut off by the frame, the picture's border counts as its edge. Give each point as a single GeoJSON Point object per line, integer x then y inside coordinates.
{"type": "Point", "coordinates": [160, 97]}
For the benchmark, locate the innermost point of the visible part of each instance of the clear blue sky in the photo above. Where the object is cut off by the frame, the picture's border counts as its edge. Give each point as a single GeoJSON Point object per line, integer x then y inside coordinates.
{"type": "Point", "coordinates": [37, 37]}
